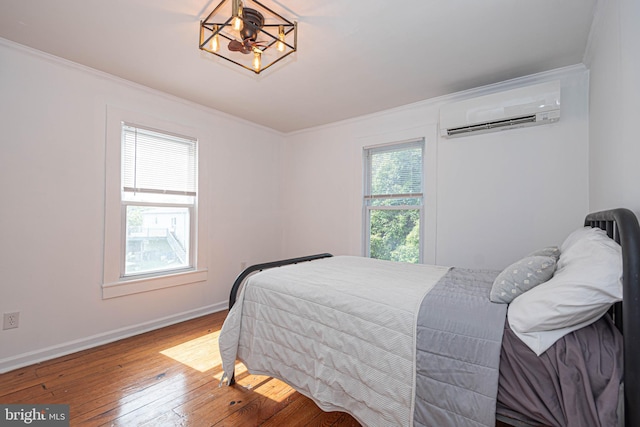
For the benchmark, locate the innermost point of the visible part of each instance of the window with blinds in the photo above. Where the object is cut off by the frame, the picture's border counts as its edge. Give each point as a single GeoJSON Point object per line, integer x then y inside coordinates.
{"type": "Point", "coordinates": [159, 190]}
{"type": "Point", "coordinates": [393, 201]}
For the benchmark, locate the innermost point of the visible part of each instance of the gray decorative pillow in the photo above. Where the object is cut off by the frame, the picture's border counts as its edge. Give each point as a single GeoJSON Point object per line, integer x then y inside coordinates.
{"type": "Point", "coordinates": [521, 276]}
{"type": "Point", "coordinates": [552, 251]}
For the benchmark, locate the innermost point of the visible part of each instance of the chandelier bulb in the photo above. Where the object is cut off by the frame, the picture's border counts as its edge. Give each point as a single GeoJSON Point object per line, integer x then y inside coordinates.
{"type": "Point", "coordinates": [280, 45]}
{"type": "Point", "coordinates": [257, 60]}
{"type": "Point", "coordinates": [215, 42]}
{"type": "Point", "coordinates": [238, 23]}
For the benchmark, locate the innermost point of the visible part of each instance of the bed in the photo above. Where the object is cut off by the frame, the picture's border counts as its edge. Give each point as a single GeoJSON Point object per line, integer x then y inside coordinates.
{"type": "Point", "coordinates": [396, 344]}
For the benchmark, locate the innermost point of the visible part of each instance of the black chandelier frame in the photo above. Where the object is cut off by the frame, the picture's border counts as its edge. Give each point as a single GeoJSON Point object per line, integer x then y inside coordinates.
{"type": "Point", "coordinates": [209, 29]}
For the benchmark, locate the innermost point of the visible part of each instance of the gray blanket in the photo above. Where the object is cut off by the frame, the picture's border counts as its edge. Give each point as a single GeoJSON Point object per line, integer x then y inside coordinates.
{"type": "Point", "coordinates": [573, 384]}
{"type": "Point", "coordinates": [342, 331]}
{"type": "Point", "coordinates": [459, 335]}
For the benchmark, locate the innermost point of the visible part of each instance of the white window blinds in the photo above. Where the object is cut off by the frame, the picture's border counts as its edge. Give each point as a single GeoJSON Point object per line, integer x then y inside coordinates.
{"type": "Point", "coordinates": [157, 162]}
{"type": "Point", "coordinates": [395, 171]}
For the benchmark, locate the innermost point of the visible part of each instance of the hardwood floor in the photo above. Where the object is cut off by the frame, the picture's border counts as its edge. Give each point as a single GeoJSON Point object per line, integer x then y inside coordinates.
{"type": "Point", "coordinates": [167, 377]}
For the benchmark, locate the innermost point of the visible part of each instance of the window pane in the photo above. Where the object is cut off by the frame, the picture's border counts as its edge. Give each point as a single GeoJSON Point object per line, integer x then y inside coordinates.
{"type": "Point", "coordinates": [396, 172]}
{"type": "Point", "coordinates": [393, 199]}
{"type": "Point", "coordinates": [154, 161]}
{"type": "Point", "coordinates": [157, 239]}
{"type": "Point", "coordinates": [395, 235]}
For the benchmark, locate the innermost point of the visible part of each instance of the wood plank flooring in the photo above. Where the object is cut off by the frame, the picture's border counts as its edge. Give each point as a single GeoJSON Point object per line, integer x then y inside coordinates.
{"type": "Point", "coordinates": [167, 377]}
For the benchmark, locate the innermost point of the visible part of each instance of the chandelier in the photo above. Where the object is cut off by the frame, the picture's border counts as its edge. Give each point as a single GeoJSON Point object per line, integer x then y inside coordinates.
{"type": "Point", "coordinates": [253, 37]}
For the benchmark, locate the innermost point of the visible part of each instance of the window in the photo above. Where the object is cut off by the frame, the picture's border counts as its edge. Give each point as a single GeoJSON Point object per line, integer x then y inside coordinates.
{"type": "Point", "coordinates": [393, 201]}
{"type": "Point", "coordinates": [159, 176]}
{"type": "Point", "coordinates": [153, 236]}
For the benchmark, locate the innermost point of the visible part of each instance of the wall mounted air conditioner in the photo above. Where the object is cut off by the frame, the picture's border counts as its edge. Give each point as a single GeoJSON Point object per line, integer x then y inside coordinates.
{"type": "Point", "coordinates": [516, 108]}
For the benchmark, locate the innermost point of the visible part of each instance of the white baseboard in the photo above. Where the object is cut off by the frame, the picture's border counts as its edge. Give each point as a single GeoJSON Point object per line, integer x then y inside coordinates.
{"type": "Point", "coordinates": [29, 358]}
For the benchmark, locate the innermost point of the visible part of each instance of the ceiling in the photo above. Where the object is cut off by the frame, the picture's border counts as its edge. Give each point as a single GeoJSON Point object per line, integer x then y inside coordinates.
{"type": "Point", "coordinates": [354, 57]}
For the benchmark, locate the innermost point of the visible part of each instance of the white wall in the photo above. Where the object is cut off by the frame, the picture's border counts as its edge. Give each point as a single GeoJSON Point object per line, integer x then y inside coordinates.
{"type": "Point", "coordinates": [498, 195]}
{"type": "Point", "coordinates": [614, 63]}
{"type": "Point", "coordinates": [270, 196]}
{"type": "Point", "coordinates": [52, 172]}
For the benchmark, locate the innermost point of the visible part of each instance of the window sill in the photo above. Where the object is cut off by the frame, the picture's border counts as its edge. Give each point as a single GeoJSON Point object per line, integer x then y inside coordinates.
{"type": "Point", "coordinates": [135, 286]}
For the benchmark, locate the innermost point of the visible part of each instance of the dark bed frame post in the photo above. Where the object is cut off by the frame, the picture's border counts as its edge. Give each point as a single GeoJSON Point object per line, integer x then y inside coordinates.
{"type": "Point", "coordinates": [622, 226]}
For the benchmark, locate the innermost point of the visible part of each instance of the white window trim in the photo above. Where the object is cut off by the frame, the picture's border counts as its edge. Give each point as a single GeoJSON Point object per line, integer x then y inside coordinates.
{"type": "Point", "coordinates": [429, 132]}
{"type": "Point", "coordinates": [113, 285]}
{"type": "Point", "coordinates": [366, 190]}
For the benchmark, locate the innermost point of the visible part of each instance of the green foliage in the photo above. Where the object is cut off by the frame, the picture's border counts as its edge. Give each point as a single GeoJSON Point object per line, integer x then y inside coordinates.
{"type": "Point", "coordinates": [134, 215]}
{"type": "Point", "coordinates": [397, 172]}
{"type": "Point", "coordinates": [395, 235]}
{"type": "Point", "coordinates": [395, 221]}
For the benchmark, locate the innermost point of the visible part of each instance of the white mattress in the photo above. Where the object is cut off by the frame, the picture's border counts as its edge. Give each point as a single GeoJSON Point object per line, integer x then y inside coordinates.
{"type": "Point", "coordinates": [339, 330]}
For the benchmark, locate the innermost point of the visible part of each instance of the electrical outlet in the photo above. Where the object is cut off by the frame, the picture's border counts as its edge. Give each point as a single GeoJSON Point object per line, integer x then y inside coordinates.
{"type": "Point", "coordinates": [11, 320]}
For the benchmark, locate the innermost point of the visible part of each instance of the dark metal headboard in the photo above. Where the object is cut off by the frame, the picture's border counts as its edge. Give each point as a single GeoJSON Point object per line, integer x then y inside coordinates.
{"type": "Point", "coordinates": [622, 226]}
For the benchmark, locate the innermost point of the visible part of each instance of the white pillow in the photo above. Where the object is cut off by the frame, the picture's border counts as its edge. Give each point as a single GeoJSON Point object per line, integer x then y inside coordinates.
{"type": "Point", "coordinates": [540, 342]}
{"type": "Point", "coordinates": [585, 284]}
{"type": "Point", "coordinates": [577, 235]}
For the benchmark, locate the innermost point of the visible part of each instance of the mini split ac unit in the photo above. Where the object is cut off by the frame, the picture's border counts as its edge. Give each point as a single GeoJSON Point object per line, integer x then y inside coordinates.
{"type": "Point", "coordinates": [516, 108]}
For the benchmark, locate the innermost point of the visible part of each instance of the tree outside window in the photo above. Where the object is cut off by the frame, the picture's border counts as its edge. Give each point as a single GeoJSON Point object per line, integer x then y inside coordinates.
{"type": "Point", "coordinates": [393, 201]}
